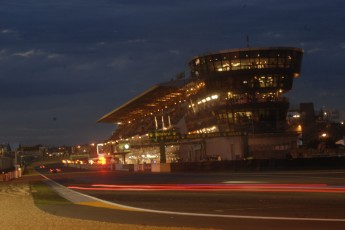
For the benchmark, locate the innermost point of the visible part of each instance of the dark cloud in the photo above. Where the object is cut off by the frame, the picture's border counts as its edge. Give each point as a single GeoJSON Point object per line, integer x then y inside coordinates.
{"type": "Point", "coordinates": [75, 60]}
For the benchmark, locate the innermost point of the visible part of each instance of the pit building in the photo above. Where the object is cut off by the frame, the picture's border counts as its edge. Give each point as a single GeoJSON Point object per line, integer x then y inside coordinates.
{"type": "Point", "coordinates": [231, 106]}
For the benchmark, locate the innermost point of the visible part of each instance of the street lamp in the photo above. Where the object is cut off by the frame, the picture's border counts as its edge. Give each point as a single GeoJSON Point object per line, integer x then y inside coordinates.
{"type": "Point", "coordinates": [322, 144]}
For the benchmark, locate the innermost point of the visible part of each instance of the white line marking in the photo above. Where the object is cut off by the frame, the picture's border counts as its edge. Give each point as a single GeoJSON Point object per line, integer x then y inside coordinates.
{"type": "Point", "coordinates": [198, 214]}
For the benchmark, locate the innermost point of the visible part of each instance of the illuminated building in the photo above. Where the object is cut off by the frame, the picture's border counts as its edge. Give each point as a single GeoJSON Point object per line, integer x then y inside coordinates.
{"type": "Point", "coordinates": [232, 107]}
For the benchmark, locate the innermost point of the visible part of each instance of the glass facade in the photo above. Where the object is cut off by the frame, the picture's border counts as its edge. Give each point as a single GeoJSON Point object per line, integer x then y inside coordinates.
{"type": "Point", "coordinates": [248, 59]}
{"type": "Point", "coordinates": [249, 84]}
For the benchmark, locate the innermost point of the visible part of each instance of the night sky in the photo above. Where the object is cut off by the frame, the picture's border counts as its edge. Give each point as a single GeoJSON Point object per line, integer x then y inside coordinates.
{"type": "Point", "coordinates": [66, 63]}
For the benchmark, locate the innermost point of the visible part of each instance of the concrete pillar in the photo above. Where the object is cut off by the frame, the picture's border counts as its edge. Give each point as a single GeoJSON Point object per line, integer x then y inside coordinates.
{"type": "Point", "coordinates": [162, 152]}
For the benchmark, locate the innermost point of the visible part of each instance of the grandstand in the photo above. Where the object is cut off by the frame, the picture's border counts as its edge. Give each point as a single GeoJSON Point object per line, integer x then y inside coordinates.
{"type": "Point", "coordinates": [232, 106]}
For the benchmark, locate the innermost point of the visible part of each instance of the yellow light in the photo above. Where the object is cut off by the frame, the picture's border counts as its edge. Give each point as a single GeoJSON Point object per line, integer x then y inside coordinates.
{"type": "Point", "coordinates": [102, 160]}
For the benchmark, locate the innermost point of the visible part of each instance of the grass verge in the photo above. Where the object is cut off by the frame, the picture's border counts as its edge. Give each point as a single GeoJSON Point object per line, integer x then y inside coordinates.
{"type": "Point", "coordinates": [43, 194]}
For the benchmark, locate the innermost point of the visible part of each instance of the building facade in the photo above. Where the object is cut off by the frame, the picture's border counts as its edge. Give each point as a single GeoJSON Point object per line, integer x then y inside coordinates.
{"type": "Point", "coordinates": [231, 107]}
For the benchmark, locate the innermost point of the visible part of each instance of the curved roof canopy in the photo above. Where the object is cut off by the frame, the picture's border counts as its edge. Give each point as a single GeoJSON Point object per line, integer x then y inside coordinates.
{"type": "Point", "coordinates": [151, 100]}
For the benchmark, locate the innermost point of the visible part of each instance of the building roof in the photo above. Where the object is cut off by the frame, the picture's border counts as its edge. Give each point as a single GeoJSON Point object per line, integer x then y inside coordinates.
{"type": "Point", "coordinates": [248, 49]}
{"type": "Point", "coordinates": [151, 100]}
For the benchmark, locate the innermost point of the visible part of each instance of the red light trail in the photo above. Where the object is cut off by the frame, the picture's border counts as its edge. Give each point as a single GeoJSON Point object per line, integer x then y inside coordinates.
{"type": "Point", "coordinates": [321, 188]}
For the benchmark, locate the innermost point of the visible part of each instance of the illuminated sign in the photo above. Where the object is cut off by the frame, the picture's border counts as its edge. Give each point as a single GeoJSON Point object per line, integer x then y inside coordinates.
{"type": "Point", "coordinates": [174, 136]}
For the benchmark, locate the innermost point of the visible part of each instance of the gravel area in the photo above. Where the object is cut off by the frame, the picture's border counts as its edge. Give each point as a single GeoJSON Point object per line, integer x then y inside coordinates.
{"type": "Point", "coordinates": [18, 211]}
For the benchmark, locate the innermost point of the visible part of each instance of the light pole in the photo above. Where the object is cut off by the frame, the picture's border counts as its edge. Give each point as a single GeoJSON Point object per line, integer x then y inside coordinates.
{"type": "Point", "coordinates": [322, 144]}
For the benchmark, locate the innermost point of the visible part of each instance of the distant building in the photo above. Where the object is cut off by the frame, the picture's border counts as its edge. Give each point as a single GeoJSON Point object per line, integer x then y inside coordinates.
{"type": "Point", "coordinates": [316, 126]}
{"type": "Point", "coordinates": [5, 150]}
{"type": "Point", "coordinates": [6, 157]}
{"type": "Point", "coordinates": [331, 115]}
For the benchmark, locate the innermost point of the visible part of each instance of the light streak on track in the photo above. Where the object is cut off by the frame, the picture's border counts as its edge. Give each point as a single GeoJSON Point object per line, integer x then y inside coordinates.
{"type": "Point", "coordinates": [320, 188]}
{"type": "Point", "coordinates": [79, 198]}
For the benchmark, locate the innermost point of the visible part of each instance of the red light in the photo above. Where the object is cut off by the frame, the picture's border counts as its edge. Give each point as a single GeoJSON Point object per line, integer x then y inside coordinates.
{"type": "Point", "coordinates": [217, 187]}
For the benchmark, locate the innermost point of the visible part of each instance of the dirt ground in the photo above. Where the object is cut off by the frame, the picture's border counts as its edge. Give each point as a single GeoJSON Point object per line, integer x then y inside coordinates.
{"type": "Point", "coordinates": [18, 211]}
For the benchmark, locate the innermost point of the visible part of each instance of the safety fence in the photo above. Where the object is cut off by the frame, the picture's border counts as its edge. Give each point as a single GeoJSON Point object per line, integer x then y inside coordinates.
{"type": "Point", "coordinates": [10, 175]}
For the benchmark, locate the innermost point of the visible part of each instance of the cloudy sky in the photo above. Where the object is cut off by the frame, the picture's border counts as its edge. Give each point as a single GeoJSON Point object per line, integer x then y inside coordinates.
{"type": "Point", "coordinates": [66, 63]}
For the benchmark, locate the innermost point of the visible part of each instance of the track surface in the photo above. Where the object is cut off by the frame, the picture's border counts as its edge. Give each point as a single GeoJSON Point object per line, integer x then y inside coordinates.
{"type": "Point", "coordinates": [282, 200]}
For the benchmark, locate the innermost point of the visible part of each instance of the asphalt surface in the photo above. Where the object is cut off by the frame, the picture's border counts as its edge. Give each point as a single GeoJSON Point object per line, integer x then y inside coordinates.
{"type": "Point", "coordinates": [223, 210]}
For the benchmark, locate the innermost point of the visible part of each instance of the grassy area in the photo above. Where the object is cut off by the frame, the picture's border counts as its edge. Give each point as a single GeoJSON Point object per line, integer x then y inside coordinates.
{"type": "Point", "coordinates": [44, 194]}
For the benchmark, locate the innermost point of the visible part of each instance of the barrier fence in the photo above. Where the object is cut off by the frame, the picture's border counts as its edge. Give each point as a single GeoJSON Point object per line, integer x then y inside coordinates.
{"type": "Point", "coordinates": [10, 175]}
